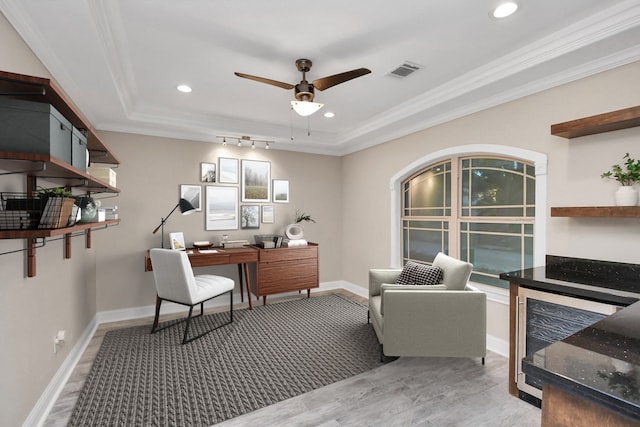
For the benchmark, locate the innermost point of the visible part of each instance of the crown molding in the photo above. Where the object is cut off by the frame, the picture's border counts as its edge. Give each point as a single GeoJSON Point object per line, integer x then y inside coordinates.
{"type": "Point", "coordinates": [419, 113]}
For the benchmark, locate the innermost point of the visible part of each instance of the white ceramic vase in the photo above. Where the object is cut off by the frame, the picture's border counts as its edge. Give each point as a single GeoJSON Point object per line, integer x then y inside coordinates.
{"type": "Point", "coordinates": [626, 195]}
{"type": "Point", "coordinates": [294, 231]}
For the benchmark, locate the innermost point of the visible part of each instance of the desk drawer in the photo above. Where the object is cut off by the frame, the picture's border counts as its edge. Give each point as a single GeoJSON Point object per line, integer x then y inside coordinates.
{"type": "Point", "coordinates": [275, 277]}
{"type": "Point", "coordinates": [288, 254]}
{"type": "Point", "coordinates": [205, 260]}
{"type": "Point", "coordinates": [244, 257]}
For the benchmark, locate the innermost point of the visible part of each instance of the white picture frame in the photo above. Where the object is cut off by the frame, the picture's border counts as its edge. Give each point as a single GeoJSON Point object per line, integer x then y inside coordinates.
{"type": "Point", "coordinates": [250, 217]}
{"type": "Point", "coordinates": [280, 191]}
{"type": "Point", "coordinates": [193, 194]}
{"type": "Point", "coordinates": [268, 214]}
{"type": "Point", "coordinates": [176, 241]}
{"type": "Point", "coordinates": [221, 208]}
{"type": "Point", "coordinates": [256, 181]}
{"type": "Point", "coordinates": [228, 170]}
{"type": "Point", "coordinates": [207, 172]}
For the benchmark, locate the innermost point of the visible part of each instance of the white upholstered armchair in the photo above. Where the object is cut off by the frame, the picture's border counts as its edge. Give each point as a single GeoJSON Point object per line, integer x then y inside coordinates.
{"type": "Point", "coordinates": [443, 320]}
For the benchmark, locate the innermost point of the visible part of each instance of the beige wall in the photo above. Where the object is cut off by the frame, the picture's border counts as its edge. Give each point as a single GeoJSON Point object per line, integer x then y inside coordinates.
{"type": "Point", "coordinates": [61, 296]}
{"type": "Point", "coordinates": [150, 174]}
{"type": "Point", "coordinates": [349, 197]}
{"type": "Point", "coordinates": [574, 168]}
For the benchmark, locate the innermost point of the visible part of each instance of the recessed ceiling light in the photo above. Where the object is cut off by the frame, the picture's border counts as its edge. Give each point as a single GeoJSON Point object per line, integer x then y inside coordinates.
{"type": "Point", "coordinates": [329, 114]}
{"type": "Point", "coordinates": [184, 88]}
{"type": "Point", "coordinates": [505, 9]}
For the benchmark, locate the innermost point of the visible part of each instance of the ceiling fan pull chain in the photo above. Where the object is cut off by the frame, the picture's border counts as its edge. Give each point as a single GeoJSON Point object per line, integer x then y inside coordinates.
{"type": "Point", "coordinates": [291, 124]}
{"type": "Point", "coordinates": [308, 125]}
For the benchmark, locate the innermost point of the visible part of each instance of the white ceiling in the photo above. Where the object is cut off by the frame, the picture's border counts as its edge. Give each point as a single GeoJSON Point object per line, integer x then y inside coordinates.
{"type": "Point", "coordinates": [121, 60]}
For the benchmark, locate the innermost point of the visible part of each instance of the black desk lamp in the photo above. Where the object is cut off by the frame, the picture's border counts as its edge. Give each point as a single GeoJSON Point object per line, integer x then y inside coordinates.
{"type": "Point", "coordinates": [185, 208]}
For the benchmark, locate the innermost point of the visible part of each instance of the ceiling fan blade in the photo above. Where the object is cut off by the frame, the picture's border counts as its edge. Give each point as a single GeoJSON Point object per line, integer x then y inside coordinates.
{"type": "Point", "coordinates": [336, 79]}
{"type": "Point", "coordinates": [267, 81]}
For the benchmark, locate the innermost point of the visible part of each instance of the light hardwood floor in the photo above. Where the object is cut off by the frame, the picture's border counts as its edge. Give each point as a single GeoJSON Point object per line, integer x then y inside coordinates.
{"type": "Point", "coordinates": [406, 392]}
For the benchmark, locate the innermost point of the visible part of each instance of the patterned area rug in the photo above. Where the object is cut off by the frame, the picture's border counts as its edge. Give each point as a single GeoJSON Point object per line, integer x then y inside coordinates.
{"type": "Point", "coordinates": [266, 355]}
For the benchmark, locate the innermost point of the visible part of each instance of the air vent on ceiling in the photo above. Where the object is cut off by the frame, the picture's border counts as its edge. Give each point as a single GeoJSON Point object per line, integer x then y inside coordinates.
{"type": "Point", "coordinates": [406, 69]}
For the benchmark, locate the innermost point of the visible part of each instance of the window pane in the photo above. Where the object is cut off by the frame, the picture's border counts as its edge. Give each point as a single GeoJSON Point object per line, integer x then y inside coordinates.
{"type": "Point", "coordinates": [495, 254]}
{"type": "Point", "coordinates": [531, 191]}
{"type": "Point", "coordinates": [495, 187]}
{"type": "Point", "coordinates": [430, 189]}
{"type": "Point", "coordinates": [489, 280]}
{"type": "Point", "coordinates": [488, 163]}
{"type": "Point", "coordinates": [424, 239]}
{"type": "Point", "coordinates": [496, 248]}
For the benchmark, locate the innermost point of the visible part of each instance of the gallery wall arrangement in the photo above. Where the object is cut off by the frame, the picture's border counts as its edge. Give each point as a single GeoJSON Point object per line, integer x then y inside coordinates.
{"type": "Point", "coordinates": [238, 194]}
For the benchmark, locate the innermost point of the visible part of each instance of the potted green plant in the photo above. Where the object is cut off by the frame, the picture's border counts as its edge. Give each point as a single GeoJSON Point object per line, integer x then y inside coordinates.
{"type": "Point", "coordinates": [45, 193]}
{"type": "Point", "coordinates": [627, 175]}
{"type": "Point", "coordinates": [303, 217]}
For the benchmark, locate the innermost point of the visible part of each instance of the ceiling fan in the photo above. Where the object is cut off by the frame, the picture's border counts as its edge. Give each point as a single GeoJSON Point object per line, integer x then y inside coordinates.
{"type": "Point", "coordinates": [304, 91]}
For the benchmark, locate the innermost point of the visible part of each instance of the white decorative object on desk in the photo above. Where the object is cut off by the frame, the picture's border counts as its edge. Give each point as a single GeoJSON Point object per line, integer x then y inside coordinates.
{"type": "Point", "coordinates": [294, 231]}
{"type": "Point", "coordinates": [294, 242]}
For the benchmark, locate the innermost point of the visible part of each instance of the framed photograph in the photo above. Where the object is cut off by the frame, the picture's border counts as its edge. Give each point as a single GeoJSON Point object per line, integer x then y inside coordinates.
{"type": "Point", "coordinates": [193, 194]}
{"type": "Point", "coordinates": [250, 216]}
{"type": "Point", "coordinates": [222, 208]}
{"type": "Point", "coordinates": [228, 170]}
{"type": "Point", "coordinates": [207, 172]}
{"type": "Point", "coordinates": [177, 241]}
{"type": "Point", "coordinates": [280, 191]}
{"type": "Point", "coordinates": [256, 181]}
{"type": "Point", "coordinates": [268, 214]}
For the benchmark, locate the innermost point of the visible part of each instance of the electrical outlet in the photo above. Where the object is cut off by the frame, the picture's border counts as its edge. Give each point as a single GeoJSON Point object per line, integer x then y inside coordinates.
{"type": "Point", "coordinates": [58, 338]}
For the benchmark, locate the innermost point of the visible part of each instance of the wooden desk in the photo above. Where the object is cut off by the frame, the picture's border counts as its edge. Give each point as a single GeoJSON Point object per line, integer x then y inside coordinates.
{"type": "Point", "coordinates": [240, 256]}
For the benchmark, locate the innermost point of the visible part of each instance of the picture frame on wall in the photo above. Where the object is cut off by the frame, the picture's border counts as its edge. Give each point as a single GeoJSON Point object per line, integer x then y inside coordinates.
{"type": "Point", "coordinates": [256, 181]}
{"type": "Point", "coordinates": [228, 170]}
{"type": "Point", "coordinates": [221, 208]}
{"type": "Point", "coordinates": [207, 172]}
{"type": "Point", "coordinates": [268, 214]}
{"type": "Point", "coordinates": [193, 194]}
{"type": "Point", "coordinates": [177, 241]}
{"type": "Point", "coordinates": [280, 191]}
{"type": "Point", "coordinates": [250, 217]}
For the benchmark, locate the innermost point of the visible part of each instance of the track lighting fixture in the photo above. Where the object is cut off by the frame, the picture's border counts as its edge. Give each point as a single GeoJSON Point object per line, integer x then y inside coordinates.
{"type": "Point", "coordinates": [241, 140]}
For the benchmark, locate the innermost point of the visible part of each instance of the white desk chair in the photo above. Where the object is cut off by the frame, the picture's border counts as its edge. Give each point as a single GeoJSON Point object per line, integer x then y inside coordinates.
{"type": "Point", "coordinates": [176, 283]}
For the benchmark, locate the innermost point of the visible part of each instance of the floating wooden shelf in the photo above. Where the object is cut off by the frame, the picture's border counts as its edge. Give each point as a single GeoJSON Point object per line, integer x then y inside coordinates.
{"type": "Point", "coordinates": [44, 90]}
{"type": "Point", "coordinates": [47, 166]}
{"type": "Point", "coordinates": [597, 212]}
{"type": "Point", "coordinates": [35, 165]}
{"type": "Point", "coordinates": [615, 120]}
{"type": "Point", "coordinates": [52, 232]}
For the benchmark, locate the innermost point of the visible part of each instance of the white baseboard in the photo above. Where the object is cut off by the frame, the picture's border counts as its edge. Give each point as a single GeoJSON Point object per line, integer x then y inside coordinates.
{"type": "Point", "coordinates": [41, 410]}
{"type": "Point", "coordinates": [498, 346]}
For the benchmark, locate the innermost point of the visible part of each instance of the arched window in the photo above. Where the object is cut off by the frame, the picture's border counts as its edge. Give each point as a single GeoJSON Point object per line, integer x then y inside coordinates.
{"type": "Point", "coordinates": [477, 206]}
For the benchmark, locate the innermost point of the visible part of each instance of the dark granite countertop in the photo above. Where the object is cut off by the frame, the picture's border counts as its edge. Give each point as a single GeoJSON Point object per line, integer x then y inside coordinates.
{"type": "Point", "coordinates": [601, 281]}
{"type": "Point", "coordinates": [601, 362]}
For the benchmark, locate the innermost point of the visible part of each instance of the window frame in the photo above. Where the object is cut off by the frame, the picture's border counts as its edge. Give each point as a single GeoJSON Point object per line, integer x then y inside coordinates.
{"type": "Point", "coordinates": [539, 160]}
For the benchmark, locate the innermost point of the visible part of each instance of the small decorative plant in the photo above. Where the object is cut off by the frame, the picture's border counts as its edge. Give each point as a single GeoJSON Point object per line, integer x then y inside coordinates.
{"type": "Point", "coordinates": [626, 174]}
{"type": "Point", "coordinates": [303, 217]}
{"type": "Point", "coordinates": [45, 193]}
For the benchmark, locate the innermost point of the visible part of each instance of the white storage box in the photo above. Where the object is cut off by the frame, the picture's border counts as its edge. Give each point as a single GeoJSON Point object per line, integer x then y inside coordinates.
{"type": "Point", "coordinates": [103, 173]}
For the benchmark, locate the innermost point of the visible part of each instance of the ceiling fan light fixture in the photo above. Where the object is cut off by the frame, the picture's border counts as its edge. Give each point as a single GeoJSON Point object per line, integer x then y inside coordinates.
{"type": "Point", "coordinates": [184, 88]}
{"type": "Point", "coordinates": [305, 108]}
